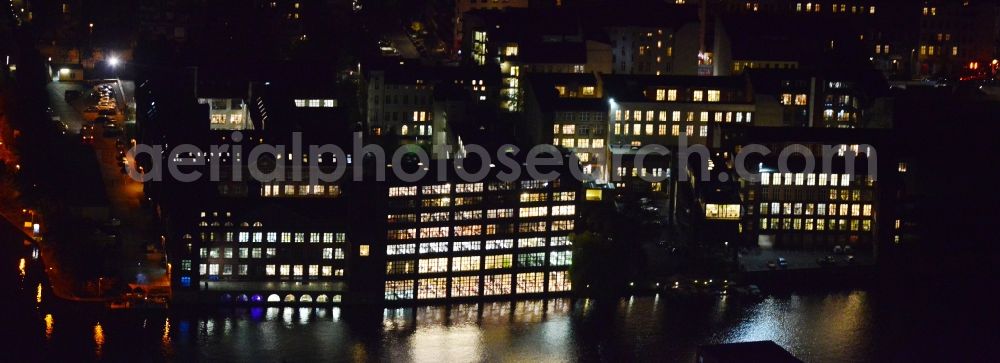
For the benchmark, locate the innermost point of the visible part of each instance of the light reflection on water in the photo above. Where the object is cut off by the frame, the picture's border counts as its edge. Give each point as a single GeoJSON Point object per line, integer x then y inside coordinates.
{"type": "Point", "coordinates": [824, 327]}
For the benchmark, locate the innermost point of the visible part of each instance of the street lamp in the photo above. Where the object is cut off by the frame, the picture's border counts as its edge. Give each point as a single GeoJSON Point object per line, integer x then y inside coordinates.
{"type": "Point", "coordinates": [113, 61]}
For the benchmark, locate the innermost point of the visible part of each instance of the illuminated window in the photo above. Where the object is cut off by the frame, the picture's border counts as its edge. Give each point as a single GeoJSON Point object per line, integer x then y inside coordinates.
{"type": "Point", "coordinates": [499, 244]}
{"type": "Point", "coordinates": [498, 261]}
{"type": "Point", "coordinates": [399, 290]}
{"type": "Point", "coordinates": [661, 94]}
{"type": "Point", "coordinates": [531, 259]}
{"type": "Point", "coordinates": [467, 263]}
{"type": "Point", "coordinates": [588, 90]}
{"type": "Point", "coordinates": [403, 249]}
{"type": "Point", "coordinates": [436, 288]}
{"type": "Point", "coordinates": [672, 95]}
{"type": "Point", "coordinates": [532, 282]}
{"type": "Point", "coordinates": [433, 265]}
{"type": "Point", "coordinates": [433, 247]}
{"type": "Point", "coordinates": [363, 250]}
{"type": "Point", "coordinates": [497, 284]}
{"type": "Point", "coordinates": [402, 191]}
{"type": "Point", "coordinates": [697, 96]}
{"type": "Point", "coordinates": [559, 281]}
{"type": "Point", "coordinates": [567, 225]}
{"type": "Point", "coordinates": [561, 258]}
{"type": "Point", "coordinates": [713, 95]}
{"type": "Point", "coordinates": [465, 286]}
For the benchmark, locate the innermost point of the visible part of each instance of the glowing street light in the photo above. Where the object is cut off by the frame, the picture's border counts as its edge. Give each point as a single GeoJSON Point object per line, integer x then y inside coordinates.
{"type": "Point", "coordinates": [113, 61]}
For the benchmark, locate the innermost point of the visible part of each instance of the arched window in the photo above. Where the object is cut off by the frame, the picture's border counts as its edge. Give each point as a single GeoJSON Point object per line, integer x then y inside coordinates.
{"type": "Point", "coordinates": [289, 298]}
{"type": "Point", "coordinates": [306, 299]}
{"type": "Point", "coordinates": [322, 299]}
{"type": "Point", "coordinates": [274, 298]}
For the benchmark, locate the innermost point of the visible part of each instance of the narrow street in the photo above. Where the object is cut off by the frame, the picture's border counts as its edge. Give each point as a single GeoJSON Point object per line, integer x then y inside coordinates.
{"type": "Point", "coordinates": [135, 227]}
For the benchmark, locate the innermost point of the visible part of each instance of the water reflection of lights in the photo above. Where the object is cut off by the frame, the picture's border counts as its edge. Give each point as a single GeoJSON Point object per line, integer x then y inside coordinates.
{"type": "Point", "coordinates": [304, 314]}
{"type": "Point", "coordinates": [38, 293]}
{"type": "Point", "coordinates": [766, 321]}
{"type": "Point", "coordinates": [98, 339]}
{"type": "Point", "coordinates": [21, 267]}
{"type": "Point", "coordinates": [49, 321]}
{"type": "Point", "coordinates": [531, 311]}
{"type": "Point", "coordinates": [286, 315]}
{"type": "Point", "coordinates": [166, 333]}
{"type": "Point", "coordinates": [496, 313]}
{"type": "Point", "coordinates": [272, 313]}
{"type": "Point", "coordinates": [208, 326]}
{"type": "Point", "coordinates": [447, 344]}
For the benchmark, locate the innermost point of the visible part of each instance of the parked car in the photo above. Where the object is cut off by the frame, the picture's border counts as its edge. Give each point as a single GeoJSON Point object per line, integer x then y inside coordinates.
{"type": "Point", "coordinates": [826, 261]}
{"type": "Point", "coordinates": [87, 134]}
{"type": "Point", "coordinates": [772, 265]}
{"type": "Point", "coordinates": [782, 262]}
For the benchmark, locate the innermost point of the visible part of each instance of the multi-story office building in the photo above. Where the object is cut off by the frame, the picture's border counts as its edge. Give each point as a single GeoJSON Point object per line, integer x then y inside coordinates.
{"type": "Point", "coordinates": [516, 44]}
{"type": "Point", "coordinates": [400, 104]}
{"type": "Point", "coordinates": [648, 110]}
{"type": "Point", "coordinates": [768, 34]}
{"type": "Point", "coordinates": [840, 200]}
{"type": "Point", "coordinates": [811, 210]}
{"type": "Point", "coordinates": [834, 98]}
{"type": "Point", "coordinates": [569, 110]}
{"type": "Point", "coordinates": [665, 40]}
{"type": "Point", "coordinates": [401, 98]}
{"type": "Point", "coordinates": [464, 6]}
{"type": "Point", "coordinates": [957, 37]}
{"type": "Point", "coordinates": [263, 252]}
{"type": "Point", "coordinates": [241, 239]}
{"type": "Point", "coordinates": [448, 240]}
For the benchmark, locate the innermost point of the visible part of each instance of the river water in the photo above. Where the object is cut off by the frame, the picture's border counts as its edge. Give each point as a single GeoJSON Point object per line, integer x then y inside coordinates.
{"type": "Point", "coordinates": [848, 325]}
